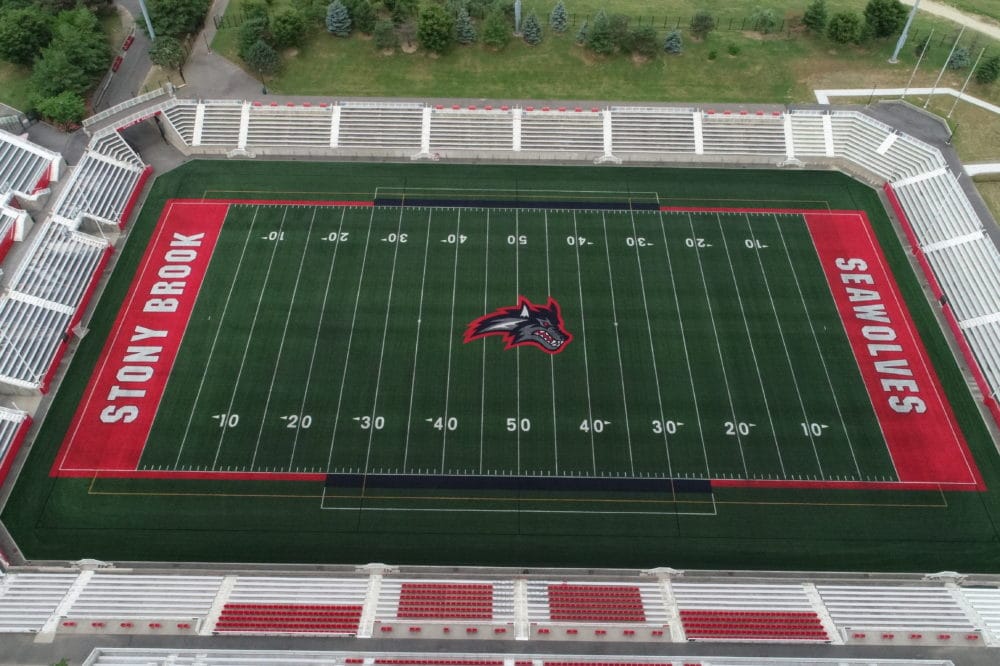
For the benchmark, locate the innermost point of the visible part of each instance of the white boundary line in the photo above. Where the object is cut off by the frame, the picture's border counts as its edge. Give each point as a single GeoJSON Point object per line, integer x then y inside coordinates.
{"type": "Point", "coordinates": [552, 358]}
{"type": "Point", "coordinates": [586, 363]}
{"type": "Point", "coordinates": [451, 341]}
{"type": "Point", "coordinates": [319, 327]}
{"type": "Point", "coordinates": [482, 373]}
{"type": "Point", "coordinates": [416, 343]}
{"type": "Point", "coordinates": [753, 351]}
{"type": "Point", "coordinates": [246, 348]}
{"type": "Point", "coordinates": [618, 345]}
{"type": "Point", "coordinates": [517, 351]}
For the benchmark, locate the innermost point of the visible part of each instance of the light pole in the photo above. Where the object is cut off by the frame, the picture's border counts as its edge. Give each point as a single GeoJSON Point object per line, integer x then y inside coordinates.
{"type": "Point", "coordinates": [917, 66]}
{"type": "Point", "coordinates": [967, 79]}
{"type": "Point", "coordinates": [945, 65]}
{"type": "Point", "coordinates": [149, 22]}
{"type": "Point", "coordinates": [906, 33]}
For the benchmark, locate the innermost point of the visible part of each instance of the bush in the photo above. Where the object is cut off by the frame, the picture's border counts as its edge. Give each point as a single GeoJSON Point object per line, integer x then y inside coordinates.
{"type": "Point", "coordinates": [496, 29]}
{"type": "Point", "coordinates": [918, 48]}
{"type": "Point", "coordinates": [436, 29]}
{"type": "Point", "coordinates": [57, 72]}
{"type": "Point", "coordinates": [884, 17]}
{"type": "Point", "coordinates": [338, 19]}
{"type": "Point", "coordinates": [479, 8]}
{"type": "Point", "coordinates": [643, 41]}
{"type": "Point", "coordinates": [176, 18]}
{"type": "Point", "coordinates": [401, 10]}
{"type": "Point", "coordinates": [363, 15]}
{"type": "Point", "coordinates": [66, 108]}
{"type": "Point", "coordinates": [263, 58]}
{"type": "Point", "coordinates": [713, 54]}
{"type": "Point", "coordinates": [599, 39]}
{"type": "Point", "coordinates": [288, 28]}
{"type": "Point", "coordinates": [532, 30]}
{"type": "Point", "coordinates": [167, 52]}
{"type": "Point", "coordinates": [251, 32]}
{"type": "Point", "coordinates": [581, 34]}
{"type": "Point", "coordinates": [385, 35]}
{"type": "Point", "coordinates": [24, 32]}
{"type": "Point", "coordinates": [844, 28]}
{"type": "Point", "coordinates": [702, 23]}
{"type": "Point", "coordinates": [314, 11]}
{"type": "Point", "coordinates": [558, 19]}
{"type": "Point", "coordinates": [465, 31]}
{"type": "Point", "coordinates": [256, 9]}
{"type": "Point", "coordinates": [816, 16]}
{"type": "Point", "coordinates": [989, 71]}
{"type": "Point", "coordinates": [960, 58]}
{"type": "Point", "coordinates": [618, 23]}
{"type": "Point", "coordinates": [673, 43]}
{"type": "Point", "coordinates": [733, 49]}
{"type": "Point", "coordinates": [763, 20]}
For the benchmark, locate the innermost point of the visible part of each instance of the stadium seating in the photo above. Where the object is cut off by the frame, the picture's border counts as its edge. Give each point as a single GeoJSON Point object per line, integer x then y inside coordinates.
{"type": "Point", "coordinates": [595, 603]}
{"type": "Point", "coordinates": [894, 608]}
{"type": "Point", "coordinates": [25, 169]}
{"type": "Point", "coordinates": [112, 145]}
{"type": "Point", "coordinates": [27, 600]}
{"type": "Point", "coordinates": [552, 130]}
{"type": "Point", "coordinates": [652, 130]}
{"type": "Point", "coordinates": [427, 600]}
{"type": "Point", "coordinates": [13, 427]}
{"type": "Point", "coordinates": [288, 126]}
{"type": "Point", "coordinates": [181, 117]}
{"type": "Point", "coordinates": [99, 188]}
{"type": "Point", "coordinates": [465, 129]}
{"type": "Point", "coordinates": [33, 334]}
{"type": "Point", "coordinates": [390, 126]}
{"type": "Point", "coordinates": [808, 137]}
{"type": "Point", "coordinates": [743, 134]}
{"type": "Point", "coordinates": [218, 124]}
{"type": "Point", "coordinates": [753, 625]}
{"type": "Point", "coordinates": [9, 218]}
{"type": "Point", "coordinates": [985, 602]}
{"type": "Point", "coordinates": [109, 595]}
{"type": "Point", "coordinates": [289, 618]}
{"type": "Point", "coordinates": [59, 265]}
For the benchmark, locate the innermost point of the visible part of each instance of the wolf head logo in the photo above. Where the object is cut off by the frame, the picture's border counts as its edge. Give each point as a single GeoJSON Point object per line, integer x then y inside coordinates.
{"type": "Point", "coordinates": [524, 324]}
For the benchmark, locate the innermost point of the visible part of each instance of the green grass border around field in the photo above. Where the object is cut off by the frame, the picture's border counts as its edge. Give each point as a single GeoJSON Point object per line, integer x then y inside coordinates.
{"type": "Point", "coordinates": [758, 529]}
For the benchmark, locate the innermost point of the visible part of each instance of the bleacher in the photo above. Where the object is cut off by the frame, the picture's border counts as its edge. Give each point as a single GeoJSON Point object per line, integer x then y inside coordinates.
{"type": "Point", "coordinates": [13, 427]}
{"type": "Point", "coordinates": [181, 117]}
{"type": "Point", "coordinates": [907, 610]}
{"type": "Point", "coordinates": [142, 597]}
{"type": "Point", "coordinates": [429, 600]}
{"type": "Point", "coordinates": [380, 126]}
{"type": "Point", "coordinates": [9, 218]}
{"type": "Point", "coordinates": [464, 129]}
{"type": "Point", "coordinates": [808, 136]}
{"type": "Point", "coordinates": [652, 130]}
{"type": "Point", "coordinates": [562, 130]}
{"type": "Point", "coordinates": [27, 600]}
{"type": "Point", "coordinates": [33, 334]}
{"type": "Point", "coordinates": [100, 189]}
{"type": "Point", "coordinates": [296, 125]}
{"type": "Point", "coordinates": [59, 265]}
{"type": "Point", "coordinates": [25, 169]}
{"type": "Point", "coordinates": [743, 133]}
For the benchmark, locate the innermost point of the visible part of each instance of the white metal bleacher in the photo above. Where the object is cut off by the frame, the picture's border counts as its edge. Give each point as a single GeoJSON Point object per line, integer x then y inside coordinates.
{"type": "Point", "coordinates": [749, 134]}
{"type": "Point", "coordinates": [297, 590]}
{"type": "Point", "coordinates": [59, 265]}
{"type": "Point", "coordinates": [562, 131]}
{"type": "Point", "coordinates": [32, 335]}
{"type": "Point", "coordinates": [465, 129]}
{"type": "Point", "coordinates": [894, 607]}
{"type": "Point", "coordinates": [653, 129]}
{"type": "Point", "coordinates": [110, 595]}
{"type": "Point", "coordinates": [23, 165]}
{"type": "Point", "coordinates": [99, 189]}
{"type": "Point", "coordinates": [27, 600]}
{"type": "Point", "coordinates": [10, 425]}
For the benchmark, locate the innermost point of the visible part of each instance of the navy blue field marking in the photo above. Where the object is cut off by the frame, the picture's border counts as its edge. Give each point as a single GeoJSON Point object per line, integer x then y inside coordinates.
{"type": "Point", "coordinates": [395, 202]}
{"type": "Point", "coordinates": [542, 483]}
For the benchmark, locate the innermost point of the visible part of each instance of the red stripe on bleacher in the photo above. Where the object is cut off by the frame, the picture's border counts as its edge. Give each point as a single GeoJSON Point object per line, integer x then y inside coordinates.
{"type": "Point", "coordinates": [595, 603]}
{"type": "Point", "coordinates": [446, 601]}
{"type": "Point", "coordinates": [289, 618]}
{"type": "Point", "coordinates": [753, 625]}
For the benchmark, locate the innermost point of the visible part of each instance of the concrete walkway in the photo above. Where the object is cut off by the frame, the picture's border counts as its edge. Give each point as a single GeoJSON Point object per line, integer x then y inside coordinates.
{"type": "Point", "coordinates": [982, 24]}
{"type": "Point", "coordinates": [982, 169]}
{"type": "Point", "coordinates": [823, 96]}
{"type": "Point", "coordinates": [211, 76]}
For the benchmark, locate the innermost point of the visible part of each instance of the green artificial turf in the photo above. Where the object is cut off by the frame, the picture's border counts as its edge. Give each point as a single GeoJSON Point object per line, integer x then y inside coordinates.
{"type": "Point", "coordinates": [287, 337]}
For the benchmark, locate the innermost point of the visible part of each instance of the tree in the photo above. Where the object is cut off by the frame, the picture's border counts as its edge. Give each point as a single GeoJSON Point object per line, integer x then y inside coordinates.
{"type": "Point", "coordinates": [816, 16]}
{"type": "Point", "coordinates": [884, 17]}
{"type": "Point", "coordinates": [673, 43]}
{"type": "Point", "coordinates": [532, 30]}
{"type": "Point", "coordinates": [385, 35]}
{"type": "Point", "coordinates": [989, 71]}
{"type": "Point", "coordinates": [496, 29]}
{"type": "Point", "coordinates": [167, 52]}
{"type": "Point", "coordinates": [960, 58]}
{"type": "Point", "coordinates": [642, 41]}
{"type": "Point", "coordinates": [288, 29]}
{"type": "Point", "coordinates": [435, 29]}
{"type": "Point", "coordinates": [581, 34]}
{"type": "Point", "coordinates": [702, 23]}
{"type": "Point", "coordinates": [256, 9]}
{"type": "Point", "coordinates": [465, 32]}
{"type": "Point", "coordinates": [558, 19]}
{"type": "Point", "coordinates": [338, 19]}
{"type": "Point", "coordinates": [66, 108]}
{"type": "Point", "coordinates": [314, 11]}
{"type": "Point", "coordinates": [363, 16]}
{"type": "Point", "coordinates": [56, 72]}
{"type": "Point", "coordinates": [599, 38]}
{"type": "Point", "coordinates": [251, 32]}
{"type": "Point", "coordinates": [401, 10]}
{"type": "Point", "coordinates": [78, 32]}
{"type": "Point", "coordinates": [763, 20]}
{"type": "Point", "coordinates": [262, 58]}
{"type": "Point", "coordinates": [844, 27]}
{"type": "Point", "coordinates": [176, 18]}
{"type": "Point", "coordinates": [23, 34]}
{"type": "Point", "coordinates": [618, 24]}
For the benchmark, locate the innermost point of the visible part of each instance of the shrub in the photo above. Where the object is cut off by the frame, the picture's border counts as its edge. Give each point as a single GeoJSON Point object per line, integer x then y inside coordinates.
{"type": "Point", "coordinates": [338, 19]}
{"type": "Point", "coordinates": [479, 8]}
{"type": "Point", "coordinates": [673, 43]}
{"type": "Point", "coordinates": [496, 29]}
{"type": "Point", "coordinates": [558, 19]}
{"type": "Point", "coordinates": [251, 32]}
{"type": "Point", "coordinates": [581, 34]}
{"type": "Point", "coordinates": [960, 58]}
{"type": "Point", "coordinates": [733, 49]}
{"type": "Point", "coordinates": [56, 72]}
{"type": "Point", "coordinates": [643, 41]}
{"type": "Point", "coordinates": [465, 31]}
{"type": "Point", "coordinates": [844, 28]}
{"type": "Point", "coordinates": [763, 20]}
{"type": "Point", "coordinates": [66, 108]}
{"type": "Point", "coordinates": [618, 24]}
{"type": "Point", "coordinates": [989, 71]}
{"type": "Point", "coordinates": [255, 9]}
{"type": "Point", "coordinates": [816, 16]}
{"type": "Point", "coordinates": [385, 35]}
{"type": "Point", "coordinates": [532, 30]}
{"type": "Point", "coordinates": [884, 17]}
{"type": "Point", "coordinates": [288, 28]}
{"type": "Point", "coordinates": [702, 23]}
{"type": "Point", "coordinates": [435, 29]}
{"type": "Point", "coordinates": [167, 52]}
{"type": "Point", "coordinates": [599, 38]}
{"type": "Point", "coordinates": [713, 54]}
{"type": "Point", "coordinates": [177, 18]}
{"type": "Point", "coordinates": [918, 48]}
{"type": "Point", "coordinates": [363, 15]}
{"type": "Point", "coordinates": [263, 58]}
{"type": "Point", "coordinates": [401, 10]}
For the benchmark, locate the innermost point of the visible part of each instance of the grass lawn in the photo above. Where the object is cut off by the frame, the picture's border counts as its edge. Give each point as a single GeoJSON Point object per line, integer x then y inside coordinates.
{"type": "Point", "coordinates": [14, 85]}
{"type": "Point", "coordinates": [990, 191]}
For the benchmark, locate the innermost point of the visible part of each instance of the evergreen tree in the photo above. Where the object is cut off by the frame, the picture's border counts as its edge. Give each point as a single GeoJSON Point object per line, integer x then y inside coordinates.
{"type": "Point", "coordinates": [581, 34]}
{"type": "Point", "coordinates": [599, 39]}
{"type": "Point", "coordinates": [363, 15]}
{"type": "Point", "coordinates": [988, 71]}
{"type": "Point", "coordinates": [288, 28]}
{"type": "Point", "coordinates": [263, 58]}
{"type": "Point", "coordinates": [385, 35]}
{"type": "Point", "coordinates": [338, 19]}
{"type": "Point", "coordinates": [844, 28]}
{"type": "Point", "coordinates": [884, 17]}
{"type": "Point", "coordinates": [960, 59]}
{"type": "Point", "coordinates": [558, 20]}
{"type": "Point", "coordinates": [702, 23]}
{"type": "Point", "coordinates": [673, 43]}
{"type": "Point", "coordinates": [642, 41]}
{"type": "Point", "coordinates": [465, 32]}
{"type": "Point", "coordinates": [497, 29]}
{"type": "Point", "coordinates": [436, 29]}
{"type": "Point", "coordinates": [816, 16]}
{"type": "Point", "coordinates": [532, 30]}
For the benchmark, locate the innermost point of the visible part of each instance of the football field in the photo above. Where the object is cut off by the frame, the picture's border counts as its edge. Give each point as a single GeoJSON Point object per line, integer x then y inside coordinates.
{"type": "Point", "coordinates": [481, 352]}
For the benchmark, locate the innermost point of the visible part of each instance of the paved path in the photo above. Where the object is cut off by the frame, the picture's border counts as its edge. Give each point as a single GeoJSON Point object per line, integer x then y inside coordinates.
{"type": "Point", "coordinates": [210, 76]}
{"type": "Point", "coordinates": [982, 169]}
{"type": "Point", "coordinates": [127, 82]}
{"type": "Point", "coordinates": [982, 24]}
{"type": "Point", "coordinates": [823, 96]}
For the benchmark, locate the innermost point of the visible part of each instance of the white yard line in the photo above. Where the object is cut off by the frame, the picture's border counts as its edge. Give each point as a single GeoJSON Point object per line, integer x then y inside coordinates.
{"type": "Point", "coordinates": [517, 350]}
{"type": "Point", "coordinates": [416, 344]}
{"type": "Point", "coordinates": [350, 339]}
{"type": "Point", "coordinates": [618, 345]}
{"type": "Point", "coordinates": [718, 347]}
{"type": "Point", "coordinates": [482, 373]}
{"type": "Point", "coordinates": [215, 340]}
{"type": "Point", "coordinates": [552, 358]}
{"type": "Point", "coordinates": [687, 354]}
{"type": "Point", "coordinates": [246, 348]}
{"type": "Point", "coordinates": [583, 334]}
{"type": "Point", "coordinates": [281, 344]}
{"type": "Point", "coordinates": [451, 341]}
{"type": "Point", "coordinates": [319, 327]}
{"type": "Point", "coordinates": [784, 346]}
{"type": "Point", "coordinates": [753, 351]}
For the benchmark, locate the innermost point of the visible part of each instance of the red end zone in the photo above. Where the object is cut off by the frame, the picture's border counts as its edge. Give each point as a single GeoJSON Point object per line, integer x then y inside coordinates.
{"type": "Point", "coordinates": [114, 418]}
